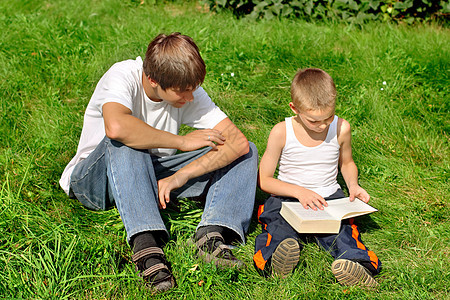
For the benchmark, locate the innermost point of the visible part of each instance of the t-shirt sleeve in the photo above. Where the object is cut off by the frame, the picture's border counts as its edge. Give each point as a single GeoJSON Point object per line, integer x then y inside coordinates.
{"type": "Point", "coordinates": [116, 85]}
{"type": "Point", "coordinates": [202, 113]}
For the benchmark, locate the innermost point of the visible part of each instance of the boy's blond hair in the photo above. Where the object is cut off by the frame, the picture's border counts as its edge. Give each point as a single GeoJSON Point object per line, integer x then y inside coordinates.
{"type": "Point", "coordinates": [313, 89]}
{"type": "Point", "coordinates": [174, 61]}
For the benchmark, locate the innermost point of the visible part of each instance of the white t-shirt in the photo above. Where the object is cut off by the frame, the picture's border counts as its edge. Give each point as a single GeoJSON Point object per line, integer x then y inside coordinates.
{"type": "Point", "coordinates": [314, 168]}
{"type": "Point", "coordinates": [122, 83]}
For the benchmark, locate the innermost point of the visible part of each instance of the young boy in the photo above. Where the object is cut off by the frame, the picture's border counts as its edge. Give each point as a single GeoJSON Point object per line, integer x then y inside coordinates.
{"type": "Point", "coordinates": [126, 156]}
{"type": "Point", "coordinates": [309, 148]}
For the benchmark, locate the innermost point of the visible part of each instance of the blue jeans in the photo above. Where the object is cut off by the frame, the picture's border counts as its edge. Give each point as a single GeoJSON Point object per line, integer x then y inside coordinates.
{"type": "Point", "coordinates": [114, 174]}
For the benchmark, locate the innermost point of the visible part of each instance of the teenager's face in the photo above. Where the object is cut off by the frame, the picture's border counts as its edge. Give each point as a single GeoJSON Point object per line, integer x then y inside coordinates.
{"type": "Point", "coordinates": [175, 97]}
{"type": "Point", "coordinates": [317, 120]}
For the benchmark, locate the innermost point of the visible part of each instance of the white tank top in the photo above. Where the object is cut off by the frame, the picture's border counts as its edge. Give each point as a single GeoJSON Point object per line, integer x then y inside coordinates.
{"type": "Point", "coordinates": [314, 168]}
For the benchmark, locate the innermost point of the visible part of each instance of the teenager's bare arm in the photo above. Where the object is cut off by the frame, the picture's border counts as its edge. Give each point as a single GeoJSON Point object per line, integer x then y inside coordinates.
{"type": "Point", "coordinates": [346, 163]}
{"type": "Point", "coordinates": [120, 125]}
{"type": "Point", "coordinates": [268, 165]}
{"type": "Point", "coordinates": [235, 146]}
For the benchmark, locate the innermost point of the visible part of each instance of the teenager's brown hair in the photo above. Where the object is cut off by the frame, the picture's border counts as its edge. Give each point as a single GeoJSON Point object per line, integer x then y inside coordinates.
{"type": "Point", "coordinates": [313, 89]}
{"type": "Point", "coordinates": [174, 61]}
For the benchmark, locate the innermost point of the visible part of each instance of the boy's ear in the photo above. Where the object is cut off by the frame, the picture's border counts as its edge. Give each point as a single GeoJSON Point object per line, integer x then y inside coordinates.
{"type": "Point", "coordinates": [293, 108]}
{"type": "Point", "coordinates": [152, 82]}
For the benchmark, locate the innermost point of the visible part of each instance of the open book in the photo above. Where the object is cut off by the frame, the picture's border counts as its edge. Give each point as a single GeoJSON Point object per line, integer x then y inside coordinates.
{"type": "Point", "coordinates": [327, 220]}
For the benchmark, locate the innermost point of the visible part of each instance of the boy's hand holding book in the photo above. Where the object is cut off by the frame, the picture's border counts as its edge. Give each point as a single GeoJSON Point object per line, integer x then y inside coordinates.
{"type": "Point", "coordinates": [310, 199]}
{"type": "Point", "coordinates": [358, 192]}
{"type": "Point", "coordinates": [327, 220]}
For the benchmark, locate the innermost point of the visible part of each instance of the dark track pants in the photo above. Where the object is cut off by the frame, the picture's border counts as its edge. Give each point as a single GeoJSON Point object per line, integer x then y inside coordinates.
{"type": "Point", "coordinates": [347, 244]}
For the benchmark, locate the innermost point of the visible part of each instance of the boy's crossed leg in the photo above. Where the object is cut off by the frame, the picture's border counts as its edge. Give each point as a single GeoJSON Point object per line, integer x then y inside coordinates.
{"type": "Point", "coordinates": [354, 262]}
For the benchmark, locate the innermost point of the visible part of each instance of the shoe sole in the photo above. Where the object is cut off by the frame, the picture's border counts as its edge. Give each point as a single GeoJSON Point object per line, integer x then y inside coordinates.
{"type": "Point", "coordinates": [285, 257]}
{"type": "Point", "coordinates": [348, 272]}
{"type": "Point", "coordinates": [163, 286]}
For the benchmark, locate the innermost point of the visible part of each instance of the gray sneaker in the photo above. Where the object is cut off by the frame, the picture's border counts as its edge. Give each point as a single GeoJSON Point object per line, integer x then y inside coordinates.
{"type": "Point", "coordinates": [285, 257]}
{"type": "Point", "coordinates": [348, 272]}
{"type": "Point", "coordinates": [211, 248]}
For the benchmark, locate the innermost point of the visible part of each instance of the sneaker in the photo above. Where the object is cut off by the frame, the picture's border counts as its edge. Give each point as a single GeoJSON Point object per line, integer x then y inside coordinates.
{"type": "Point", "coordinates": [348, 272]}
{"type": "Point", "coordinates": [211, 248]}
{"type": "Point", "coordinates": [157, 276]}
{"type": "Point", "coordinates": [285, 257]}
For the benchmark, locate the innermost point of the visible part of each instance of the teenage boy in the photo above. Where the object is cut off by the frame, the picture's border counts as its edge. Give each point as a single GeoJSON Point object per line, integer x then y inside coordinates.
{"type": "Point", "coordinates": [127, 156]}
{"type": "Point", "coordinates": [309, 148]}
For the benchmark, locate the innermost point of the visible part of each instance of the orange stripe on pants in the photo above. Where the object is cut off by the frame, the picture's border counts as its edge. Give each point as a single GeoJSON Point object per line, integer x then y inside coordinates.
{"type": "Point", "coordinates": [355, 235]}
{"type": "Point", "coordinates": [260, 211]}
{"type": "Point", "coordinates": [259, 260]}
{"type": "Point", "coordinates": [269, 238]}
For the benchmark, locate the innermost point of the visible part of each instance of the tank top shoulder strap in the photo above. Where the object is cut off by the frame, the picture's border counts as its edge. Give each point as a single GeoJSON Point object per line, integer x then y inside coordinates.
{"type": "Point", "coordinates": [289, 129]}
{"type": "Point", "coordinates": [332, 130]}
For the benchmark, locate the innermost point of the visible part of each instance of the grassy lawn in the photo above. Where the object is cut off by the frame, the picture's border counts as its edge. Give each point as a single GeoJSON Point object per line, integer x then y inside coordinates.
{"type": "Point", "coordinates": [393, 87]}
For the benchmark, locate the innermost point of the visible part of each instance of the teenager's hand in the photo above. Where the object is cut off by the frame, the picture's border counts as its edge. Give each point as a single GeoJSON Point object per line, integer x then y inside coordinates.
{"type": "Point", "coordinates": [168, 184]}
{"type": "Point", "coordinates": [311, 199]}
{"type": "Point", "coordinates": [358, 192]}
{"type": "Point", "coordinates": [201, 138]}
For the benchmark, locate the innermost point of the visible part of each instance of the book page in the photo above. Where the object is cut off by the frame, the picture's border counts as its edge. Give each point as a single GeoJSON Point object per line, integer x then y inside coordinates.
{"type": "Point", "coordinates": [344, 208]}
{"type": "Point", "coordinates": [323, 221]}
{"type": "Point", "coordinates": [308, 214]}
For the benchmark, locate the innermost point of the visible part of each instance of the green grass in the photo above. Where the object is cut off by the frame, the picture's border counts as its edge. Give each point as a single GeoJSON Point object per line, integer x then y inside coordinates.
{"type": "Point", "coordinates": [51, 56]}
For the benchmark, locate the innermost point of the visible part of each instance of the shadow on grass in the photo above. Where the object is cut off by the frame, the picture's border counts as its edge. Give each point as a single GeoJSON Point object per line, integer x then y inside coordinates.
{"type": "Point", "coordinates": [366, 224]}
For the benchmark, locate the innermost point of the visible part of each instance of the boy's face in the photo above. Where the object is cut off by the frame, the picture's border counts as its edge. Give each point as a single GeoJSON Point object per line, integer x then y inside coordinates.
{"type": "Point", "coordinates": [316, 120]}
{"type": "Point", "coordinates": [173, 96]}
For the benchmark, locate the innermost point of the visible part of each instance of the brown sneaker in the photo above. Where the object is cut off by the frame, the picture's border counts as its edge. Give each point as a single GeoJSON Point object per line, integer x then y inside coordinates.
{"type": "Point", "coordinates": [157, 277]}
{"type": "Point", "coordinates": [285, 257]}
{"type": "Point", "coordinates": [348, 272]}
{"type": "Point", "coordinates": [211, 248]}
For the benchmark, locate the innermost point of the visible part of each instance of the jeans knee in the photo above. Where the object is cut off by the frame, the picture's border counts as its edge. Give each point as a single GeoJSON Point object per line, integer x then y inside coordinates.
{"type": "Point", "coordinates": [252, 152]}
{"type": "Point", "coordinates": [116, 145]}
{"type": "Point", "coordinates": [253, 148]}
{"type": "Point", "coordinates": [121, 151]}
